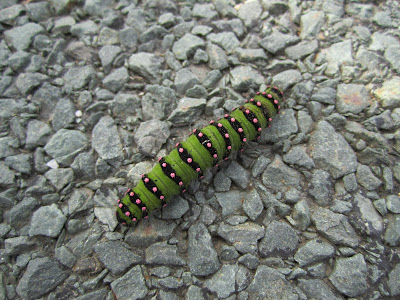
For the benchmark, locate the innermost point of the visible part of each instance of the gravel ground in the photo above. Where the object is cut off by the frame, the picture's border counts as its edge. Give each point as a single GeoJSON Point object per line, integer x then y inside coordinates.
{"type": "Point", "coordinates": [91, 91]}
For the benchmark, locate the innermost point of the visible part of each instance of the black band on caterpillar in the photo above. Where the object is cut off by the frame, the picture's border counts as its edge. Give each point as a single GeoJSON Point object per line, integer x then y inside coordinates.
{"type": "Point", "coordinates": [203, 149]}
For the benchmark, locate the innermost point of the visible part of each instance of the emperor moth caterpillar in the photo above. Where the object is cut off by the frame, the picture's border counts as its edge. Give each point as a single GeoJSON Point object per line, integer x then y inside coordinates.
{"type": "Point", "coordinates": [203, 149]}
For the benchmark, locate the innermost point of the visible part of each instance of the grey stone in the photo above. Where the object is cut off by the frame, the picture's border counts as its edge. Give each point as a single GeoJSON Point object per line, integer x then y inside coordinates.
{"type": "Point", "coordinates": [116, 256]}
{"type": "Point", "coordinates": [392, 234]}
{"type": "Point", "coordinates": [349, 275]}
{"type": "Point", "coordinates": [277, 41]}
{"type": "Point", "coordinates": [311, 24]}
{"type": "Point", "coordinates": [326, 95]}
{"type": "Point", "coordinates": [150, 136]}
{"type": "Point", "coordinates": [98, 294]}
{"type": "Point", "coordinates": [20, 213]}
{"type": "Point", "coordinates": [202, 256]}
{"type": "Point", "coordinates": [200, 57]}
{"type": "Point", "coordinates": [185, 80]}
{"type": "Point", "coordinates": [38, 11]}
{"type": "Point", "coordinates": [37, 134]}
{"type": "Point", "coordinates": [21, 163]}
{"type": "Point", "coordinates": [116, 80]}
{"type": "Point", "coordinates": [234, 25]}
{"type": "Point", "coordinates": [64, 256]}
{"type": "Point", "coordinates": [250, 261]}
{"type": "Point", "coordinates": [368, 219]}
{"type": "Point", "coordinates": [152, 33]}
{"type": "Point", "coordinates": [147, 65]}
{"type": "Point", "coordinates": [302, 49]}
{"type": "Point", "coordinates": [226, 40]}
{"type": "Point", "coordinates": [84, 28]}
{"type": "Point", "coordinates": [250, 13]}
{"type": "Point", "coordinates": [231, 202]}
{"type": "Point", "coordinates": [195, 293]}
{"type": "Point", "coordinates": [46, 97]}
{"type": "Point", "coordinates": [175, 209]}
{"type": "Point", "coordinates": [331, 152]}
{"type": "Point", "coordinates": [279, 176]}
{"type": "Point", "coordinates": [21, 37]}
{"type": "Point", "coordinates": [222, 283]}
{"type": "Point", "coordinates": [64, 114]}
{"type": "Point", "coordinates": [389, 93]}
{"type": "Point", "coordinates": [393, 282]}
{"type": "Point", "coordinates": [314, 251]}
{"type": "Point", "coordinates": [63, 25]}
{"type": "Point", "coordinates": [19, 60]}
{"type": "Point", "coordinates": [77, 78]}
{"type": "Point", "coordinates": [188, 111]}
{"type": "Point", "coordinates": [286, 79]}
{"type": "Point", "coordinates": [65, 145]}
{"type": "Point", "coordinates": [366, 178]}
{"type": "Point", "coordinates": [60, 178]}
{"type": "Point", "coordinates": [47, 221]}
{"type": "Point", "coordinates": [392, 55]}
{"type": "Point", "coordinates": [244, 237]}
{"type": "Point", "coordinates": [301, 215]}
{"type": "Point", "coordinates": [335, 227]}
{"type": "Point", "coordinates": [238, 174]}
{"type": "Point", "coordinates": [39, 187]}
{"type": "Point", "coordinates": [204, 11]}
{"type": "Point", "coordinates": [42, 275]}
{"type": "Point", "coordinates": [298, 156]}
{"type": "Point", "coordinates": [197, 91]}
{"type": "Point", "coordinates": [317, 289]}
{"type": "Point", "coordinates": [26, 82]}
{"type": "Point", "coordinates": [9, 14]}
{"type": "Point", "coordinates": [270, 283]}
{"type": "Point", "coordinates": [158, 102]}
{"type": "Point", "coordinates": [186, 46]}
{"type": "Point", "coordinates": [172, 62]}
{"type": "Point", "coordinates": [393, 203]}
{"type": "Point", "coordinates": [382, 40]}
{"type": "Point", "coordinates": [130, 286]}
{"type": "Point", "coordinates": [352, 98]}
{"type": "Point", "coordinates": [280, 239]}
{"type": "Point", "coordinates": [321, 187]}
{"type": "Point", "coordinates": [148, 232]}
{"type": "Point", "coordinates": [245, 77]}
{"type": "Point", "coordinates": [228, 253]}
{"type": "Point", "coordinates": [107, 55]}
{"type": "Point", "coordinates": [256, 56]}
{"type": "Point", "coordinates": [106, 141]}
{"type": "Point", "coordinates": [252, 205]}
{"type": "Point", "coordinates": [83, 165]}
{"type": "Point", "coordinates": [167, 20]}
{"type": "Point", "coordinates": [217, 58]}
{"type": "Point", "coordinates": [170, 283]}
{"type": "Point", "coordinates": [382, 121]}
{"type": "Point", "coordinates": [18, 245]}
{"type": "Point", "coordinates": [337, 55]}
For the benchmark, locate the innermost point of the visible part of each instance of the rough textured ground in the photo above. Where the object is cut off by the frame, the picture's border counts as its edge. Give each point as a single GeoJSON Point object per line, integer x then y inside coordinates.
{"type": "Point", "coordinates": [92, 90]}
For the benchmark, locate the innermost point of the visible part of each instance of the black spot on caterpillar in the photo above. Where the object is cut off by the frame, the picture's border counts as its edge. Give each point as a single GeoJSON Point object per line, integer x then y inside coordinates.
{"type": "Point", "coordinates": [202, 150]}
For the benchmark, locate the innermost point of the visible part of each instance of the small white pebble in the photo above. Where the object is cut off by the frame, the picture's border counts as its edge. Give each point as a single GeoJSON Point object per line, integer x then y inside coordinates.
{"type": "Point", "coordinates": [78, 114]}
{"type": "Point", "coordinates": [52, 164]}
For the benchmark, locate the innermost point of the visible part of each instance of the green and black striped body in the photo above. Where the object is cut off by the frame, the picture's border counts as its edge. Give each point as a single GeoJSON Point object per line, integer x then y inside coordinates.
{"type": "Point", "coordinates": [203, 149]}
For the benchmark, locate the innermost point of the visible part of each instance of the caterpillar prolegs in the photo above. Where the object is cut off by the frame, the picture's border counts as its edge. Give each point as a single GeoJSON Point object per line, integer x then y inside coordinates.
{"type": "Point", "coordinates": [203, 149]}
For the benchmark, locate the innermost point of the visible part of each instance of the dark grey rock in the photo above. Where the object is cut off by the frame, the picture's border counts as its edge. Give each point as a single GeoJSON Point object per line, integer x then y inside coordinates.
{"type": "Point", "coordinates": [195, 293]}
{"type": "Point", "coordinates": [147, 65]}
{"type": "Point", "coordinates": [60, 178]}
{"type": "Point", "coordinates": [244, 237]}
{"type": "Point", "coordinates": [207, 215]}
{"type": "Point", "coordinates": [270, 283]}
{"type": "Point", "coordinates": [366, 178]}
{"type": "Point", "coordinates": [20, 213]}
{"type": "Point", "coordinates": [149, 231]}
{"type": "Point", "coordinates": [107, 55]}
{"type": "Point", "coordinates": [259, 165]}
{"type": "Point", "coordinates": [130, 286]}
{"type": "Point", "coordinates": [198, 91]}
{"type": "Point", "coordinates": [230, 202]}
{"type": "Point", "coordinates": [77, 78]}
{"type": "Point", "coordinates": [8, 146]}
{"type": "Point", "coordinates": [392, 55]}
{"type": "Point", "coordinates": [228, 253]}
{"type": "Point", "coordinates": [37, 134]}
{"type": "Point", "coordinates": [106, 141]}
{"type": "Point", "coordinates": [116, 256]}
{"type": "Point", "coordinates": [277, 41]}
{"type": "Point", "coordinates": [393, 282]}
{"type": "Point", "coordinates": [280, 239]}
{"type": "Point", "coordinates": [150, 136]}
{"type": "Point", "coordinates": [335, 227]}
{"type": "Point", "coordinates": [46, 97]}
{"type": "Point", "coordinates": [84, 28]}
{"type": "Point", "coordinates": [250, 261]}
{"type": "Point", "coordinates": [63, 25]}
{"type": "Point", "coordinates": [153, 32]}
{"type": "Point", "coordinates": [42, 275]}
{"type": "Point", "coordinates": [39, 187]}
{"type": "Point", "coordinates": [226, 40]}
{"type": "Point", "coordinates": [188, 111]}
{"type": "Point", "coordinates": [302, 49]}
{"type": "Point", "coordinates": [26, 82]}
{"type": "Point", "coordinates": [65, 145]}
{"type": "Point", "coordinates": [21, 163]}
{"type": "Point", "coordinates": [337, 55]}
{"type": "Point", "coordinates": [175, 209]}
{"type": "Point", "coordinates": [301, 215]}
{"type": "Point", "coordinates": [321, 187]}
{"type": "Point", "coordinates": [19, 60]}
{"type": "Point", "coordinates": [18, 245]}
{"type": "Point", "coordinates": [298, 156]}
{"type": "Point", "coordinates": [222, 283]}
{"type": "Point", "coordinates": [8, 15]}
{"type": "Point", "coordinates": [116, 80]}
{"type": "Point", "coordinates": [98, 294]}
{"type": "Point", "coordinates": [311, 24]}
{"type": "Point", "coordinates": [256, 56]}
{"type": "Point", "coordinates": [238, 174]}
{"type": "Point", "coordinates": [245, 77]}
{"type": "Point", "coordinates": [170, 283]}
{"type": "Point", "coordinates": [250, 13]}
{"type": "Point", "coordinates": [234, 25]}
{"type": "Point", "coordinates": [380, 206]}
{"type": "Point", "coordinates": [317, 289]}
{"type": "Point", "coordinates": [349, 275]}
{"type": "Point", "coordinates": [64, 256]}
{"type": "Point", "coordinates": [21, 37]}
{"type": "Point", "coordinates": [47, 221]}
{"type": "Point", "coordinates": [204, 11]}
{"type": "Point", "coordinates": [392, 234]}
{"type": "Point", "coordinates": [217, 58]}
{"type": "Point", "coordinates": [314, 251]}
{"type": "Point", "coordinates": [382, 121]}
{"type": "Point", "coordinates": [331, 152]}
{"type": "Point", "coordinates": [326, 95]}
{"type": "Point", "coordinates": [186, 46]}
{"type": "Point", "coordinates": [252, 205]}
{"type": "Point", "coordinates": [64, 114]}
{"type": "Point", "coordinates": [38, 11]}
{"type": "Point", "coordinates": [368, 219]}
{"type": "Point", "coordinates": [83, 165]}
{"type": "Point", "coordinates": [202, 256]}
{"type": "Point", "coordinates": [351, 98]}
{"type": "Point", "coordinates": [286, 79]}
{"type": "Point", "coordinates": [393, 203]}
{"type": "Point", "coordinates": [158, 102]}
{"type": "Point", "coordinates": [185, 80]}
{"type": "Point", "coordinates": [211, 79]}
{"type": "Point", "coordinates": [201, 30]}
{"type": "Point", "coordinates": [389, 93]}
{"type": "Point", "coordinates": [278, 176]}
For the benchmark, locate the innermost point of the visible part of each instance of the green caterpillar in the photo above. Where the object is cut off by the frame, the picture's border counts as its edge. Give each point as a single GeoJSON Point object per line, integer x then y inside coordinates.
{"type": "Point", "coordinates": [202, 150]}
